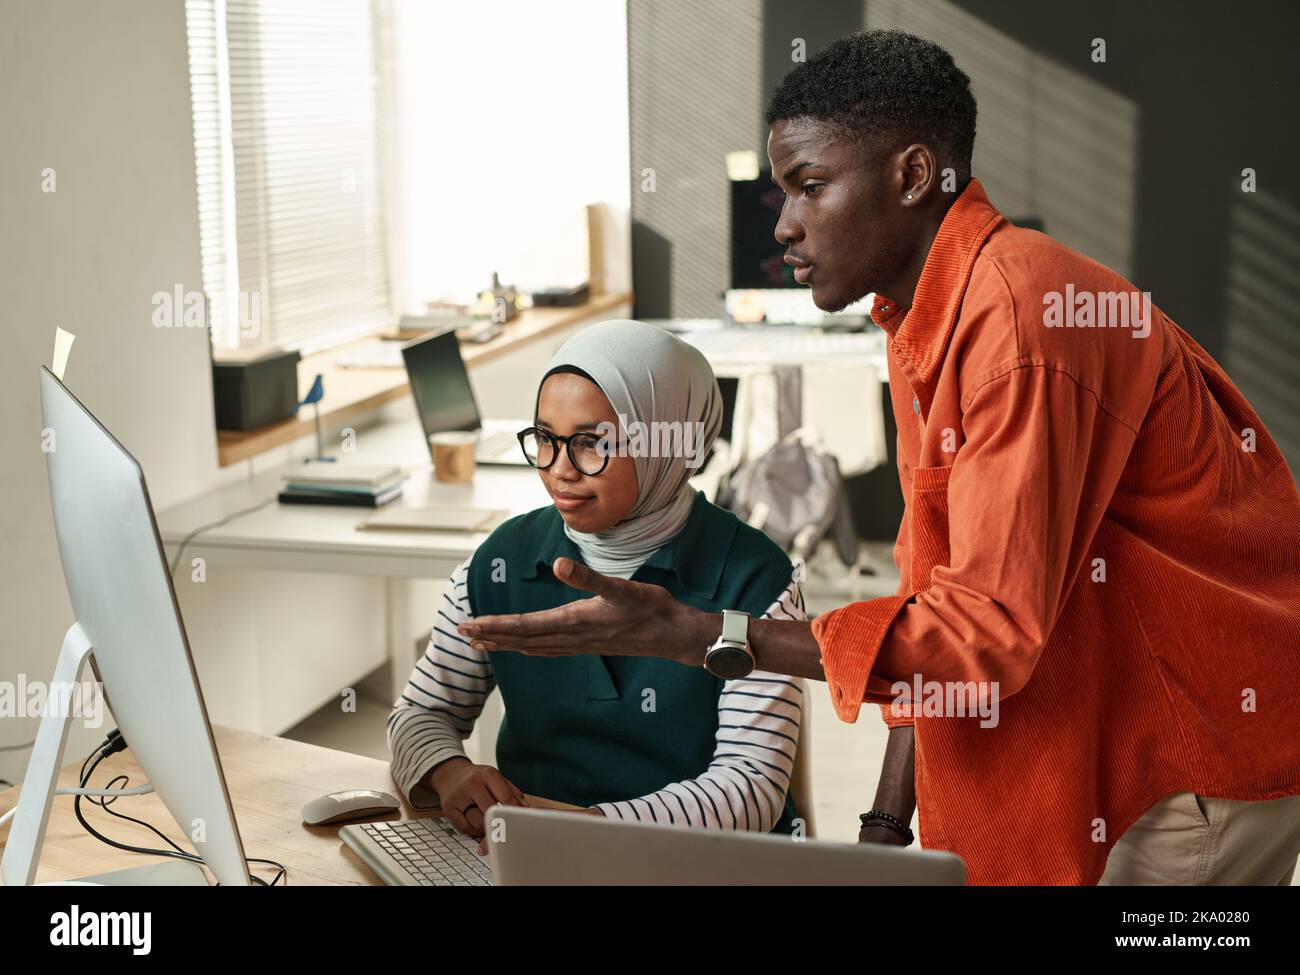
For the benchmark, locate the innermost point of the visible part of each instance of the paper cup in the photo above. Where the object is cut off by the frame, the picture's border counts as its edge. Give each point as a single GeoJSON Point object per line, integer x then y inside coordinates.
{"type": "Point", "coordinates": [453, 455]}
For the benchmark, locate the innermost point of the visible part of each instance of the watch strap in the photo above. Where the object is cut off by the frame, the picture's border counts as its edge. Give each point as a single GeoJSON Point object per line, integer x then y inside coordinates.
{"type": "Point", "coordinates": [735, 626]}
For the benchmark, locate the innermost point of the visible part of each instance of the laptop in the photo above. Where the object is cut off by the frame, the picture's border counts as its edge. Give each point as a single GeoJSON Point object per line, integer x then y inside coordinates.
{"type": "Point", "coordinates": [445, 400]}
{"type": "Point", "coordinates": [536, 846]}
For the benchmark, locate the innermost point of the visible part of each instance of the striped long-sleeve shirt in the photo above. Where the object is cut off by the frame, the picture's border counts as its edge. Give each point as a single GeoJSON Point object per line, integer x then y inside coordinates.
{"type": "Point", "coordinates": [743, 787]}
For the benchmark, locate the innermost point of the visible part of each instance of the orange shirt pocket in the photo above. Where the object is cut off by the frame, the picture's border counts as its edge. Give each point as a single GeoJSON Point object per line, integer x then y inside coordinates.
{"type": "Point", "coordinates": [927, 511]}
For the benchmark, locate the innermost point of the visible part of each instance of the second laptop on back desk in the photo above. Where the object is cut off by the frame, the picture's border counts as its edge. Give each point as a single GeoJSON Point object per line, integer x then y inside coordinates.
{"type": "Point", "coordinates": [445, 400]}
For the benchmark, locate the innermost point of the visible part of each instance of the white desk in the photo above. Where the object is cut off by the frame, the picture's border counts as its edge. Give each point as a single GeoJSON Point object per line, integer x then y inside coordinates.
{"type": "Point", "coordinates": [322, 538]}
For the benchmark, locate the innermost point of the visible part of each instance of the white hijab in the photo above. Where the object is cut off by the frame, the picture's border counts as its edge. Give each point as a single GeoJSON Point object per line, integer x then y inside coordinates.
{"type": "Point", "coordinates": [652, 377]}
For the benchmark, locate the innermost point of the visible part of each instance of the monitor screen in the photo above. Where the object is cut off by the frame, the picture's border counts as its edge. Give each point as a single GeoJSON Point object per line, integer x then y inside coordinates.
{"type": "Point", "coordinates": [440, 384]}
{"type": "Point", "coordinates": [756, 256]}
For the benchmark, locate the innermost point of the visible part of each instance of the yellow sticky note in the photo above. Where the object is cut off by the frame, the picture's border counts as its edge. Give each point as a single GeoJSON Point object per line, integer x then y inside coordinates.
{"type": "Point", "coordinates": [62, 346]}
{"type": "Point", "coordinates": [742, 165]}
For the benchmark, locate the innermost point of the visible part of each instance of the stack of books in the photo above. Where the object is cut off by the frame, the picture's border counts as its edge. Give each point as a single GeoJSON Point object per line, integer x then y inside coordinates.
{"type": "Point", "coordinates": [363, 485]}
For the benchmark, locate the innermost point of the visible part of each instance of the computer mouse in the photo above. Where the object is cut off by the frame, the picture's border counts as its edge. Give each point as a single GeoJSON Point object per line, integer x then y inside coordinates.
{"type": "Point", "coordinates": [339, 807]}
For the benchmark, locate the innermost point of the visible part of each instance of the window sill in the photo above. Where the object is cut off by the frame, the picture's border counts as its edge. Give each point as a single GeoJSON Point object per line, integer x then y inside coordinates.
{"type": "Point", "coordinates": [351, 394]}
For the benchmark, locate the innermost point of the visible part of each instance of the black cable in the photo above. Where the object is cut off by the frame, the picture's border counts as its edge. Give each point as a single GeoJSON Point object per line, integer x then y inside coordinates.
{"type": "Point", "coordinates": [104, 801]}
{"type": "Point", "coordinates": [214, 524]}
{"type": "Point", "coordinates": [111, 745]}
{"type": "Point", "coordinates": [76, 805]}
{"type": "Point", "coordinates": [279, 874]}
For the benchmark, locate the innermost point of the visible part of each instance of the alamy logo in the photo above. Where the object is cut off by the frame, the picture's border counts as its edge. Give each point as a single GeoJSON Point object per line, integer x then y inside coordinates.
{"type": "Point", "coordinates": [1098, 309]}
{"type": "Point", "coordinates": [189, 309]}
{"type": "Point", "coordinates": [102, 928]}
{"type": "Point", "coordinates": [659, 438]}
{"type": "Point", "coordinates": [56, 699]}
{"type": "Point", "coordinates": [947, 699]}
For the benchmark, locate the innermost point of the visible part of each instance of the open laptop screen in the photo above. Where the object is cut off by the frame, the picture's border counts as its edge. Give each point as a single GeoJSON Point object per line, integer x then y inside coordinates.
{"type": "Point", "coordinates": [440, 384]}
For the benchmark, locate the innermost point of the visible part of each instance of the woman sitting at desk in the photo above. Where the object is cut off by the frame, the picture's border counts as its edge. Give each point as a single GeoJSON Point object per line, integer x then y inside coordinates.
{"type": "Point", "coordinates": [632, 738]}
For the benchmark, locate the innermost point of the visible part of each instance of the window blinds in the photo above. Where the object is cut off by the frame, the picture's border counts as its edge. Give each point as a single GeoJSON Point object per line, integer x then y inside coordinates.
{"type": "Point", "coordinates": [286, 136]}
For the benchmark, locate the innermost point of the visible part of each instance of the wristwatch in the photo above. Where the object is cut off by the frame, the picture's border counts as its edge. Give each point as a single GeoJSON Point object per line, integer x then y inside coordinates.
{"type": "Point", "coordinates": [729, 657]}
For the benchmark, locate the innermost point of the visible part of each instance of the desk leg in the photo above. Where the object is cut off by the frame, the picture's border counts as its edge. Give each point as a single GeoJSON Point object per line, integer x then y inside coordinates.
{"type": "Point", "coordinates": [401, 640]}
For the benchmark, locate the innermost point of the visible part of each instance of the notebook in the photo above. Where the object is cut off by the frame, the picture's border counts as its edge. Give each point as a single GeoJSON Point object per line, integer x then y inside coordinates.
{"type": "Point", "coordinates": [363, 499]}
{"type": "Point", "coordinates": [435, 518]}
{"type": "Point", "coordinates": [342, 476]}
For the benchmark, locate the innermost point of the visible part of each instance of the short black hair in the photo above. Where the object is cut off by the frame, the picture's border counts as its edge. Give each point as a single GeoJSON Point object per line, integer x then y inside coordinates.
{"type": "Point", "coordinates": [885, 89]}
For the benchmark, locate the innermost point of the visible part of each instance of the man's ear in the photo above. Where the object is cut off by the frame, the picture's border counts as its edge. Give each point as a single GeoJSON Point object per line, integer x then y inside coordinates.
{"type": "Point", "coordinates": [918, 174]}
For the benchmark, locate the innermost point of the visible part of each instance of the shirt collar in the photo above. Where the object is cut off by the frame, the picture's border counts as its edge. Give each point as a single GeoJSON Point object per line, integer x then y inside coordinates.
{"type": "Point", "coordinates": [696, 555]}
{"type": "Point", "coordinates": [920, 336]}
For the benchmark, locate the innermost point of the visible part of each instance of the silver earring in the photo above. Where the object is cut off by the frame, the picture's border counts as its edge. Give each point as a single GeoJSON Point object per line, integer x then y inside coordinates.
{"type": "Point", "coordinates": [909, 196]}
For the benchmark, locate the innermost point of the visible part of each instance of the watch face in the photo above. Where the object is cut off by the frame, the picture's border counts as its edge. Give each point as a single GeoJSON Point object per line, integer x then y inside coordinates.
{"type": "Point", "coordinates": [729, 662]}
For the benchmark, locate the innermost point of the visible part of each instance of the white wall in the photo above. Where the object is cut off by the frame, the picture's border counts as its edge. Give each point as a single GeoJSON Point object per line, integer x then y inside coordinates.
{"type": "Point", "coordinates": [100, 94]}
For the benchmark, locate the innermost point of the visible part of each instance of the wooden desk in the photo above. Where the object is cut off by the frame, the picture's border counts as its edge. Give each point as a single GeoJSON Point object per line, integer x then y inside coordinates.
{"type": "Point", "coordinates": [269, 780]}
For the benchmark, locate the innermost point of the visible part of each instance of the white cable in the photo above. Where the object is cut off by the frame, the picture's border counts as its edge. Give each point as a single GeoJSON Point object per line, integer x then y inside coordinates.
{"type": "Point", "coordinates": [135, 790]}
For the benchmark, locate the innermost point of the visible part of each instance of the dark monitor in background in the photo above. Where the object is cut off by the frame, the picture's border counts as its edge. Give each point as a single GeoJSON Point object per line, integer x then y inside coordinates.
{"type": "Point", "coordinates": [729, 386]}
{"type": "Point", "coordinates": [440, 384]}
{"type": "Point", "coordinates": [756, 257]}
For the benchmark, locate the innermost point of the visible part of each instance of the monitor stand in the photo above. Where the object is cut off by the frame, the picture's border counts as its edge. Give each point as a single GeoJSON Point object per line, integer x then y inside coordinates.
{"type": "Point", "coordinates": [27, 831]}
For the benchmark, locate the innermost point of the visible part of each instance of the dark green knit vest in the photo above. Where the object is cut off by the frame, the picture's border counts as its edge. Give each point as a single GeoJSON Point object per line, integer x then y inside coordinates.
{"type": "Point", "coordinates": [588, 729]}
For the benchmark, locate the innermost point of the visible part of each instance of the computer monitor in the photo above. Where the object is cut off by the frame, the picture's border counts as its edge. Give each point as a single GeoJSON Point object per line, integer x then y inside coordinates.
{"type": "Point", "coordinates": [440, 384]}
{"type": "Point", "coordinates": [757, 258]}
{"type": "Point", "coordinates": [128, 621]}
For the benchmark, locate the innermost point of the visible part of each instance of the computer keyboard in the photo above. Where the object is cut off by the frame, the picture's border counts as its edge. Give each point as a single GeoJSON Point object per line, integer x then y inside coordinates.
{"type": "Point", "coordinates": [496, 444]}
{"type": "Point", "coordinates": [419, 853]}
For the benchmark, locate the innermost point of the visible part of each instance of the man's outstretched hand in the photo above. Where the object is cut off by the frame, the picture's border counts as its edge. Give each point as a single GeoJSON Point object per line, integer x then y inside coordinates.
{"type": "Point", "coordinates": [621, 617]}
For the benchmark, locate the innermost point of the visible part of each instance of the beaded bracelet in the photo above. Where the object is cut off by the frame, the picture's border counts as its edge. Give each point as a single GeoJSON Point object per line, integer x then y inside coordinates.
{"type": "Point", "coordinates": [878, 817]}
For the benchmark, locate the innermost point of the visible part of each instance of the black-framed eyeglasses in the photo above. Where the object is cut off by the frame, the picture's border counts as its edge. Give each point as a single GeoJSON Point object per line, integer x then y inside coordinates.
{"type": "Point", "coordinates": [588, 452]}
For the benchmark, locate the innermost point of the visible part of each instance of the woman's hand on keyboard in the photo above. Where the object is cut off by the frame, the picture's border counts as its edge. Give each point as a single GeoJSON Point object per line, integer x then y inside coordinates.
{"type": "Point", "coordinates": [466, 791]}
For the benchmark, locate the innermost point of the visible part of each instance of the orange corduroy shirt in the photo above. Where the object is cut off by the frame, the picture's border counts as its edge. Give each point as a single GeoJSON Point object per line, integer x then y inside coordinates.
{"type": "Point", "coordinates": [1099, 535]}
